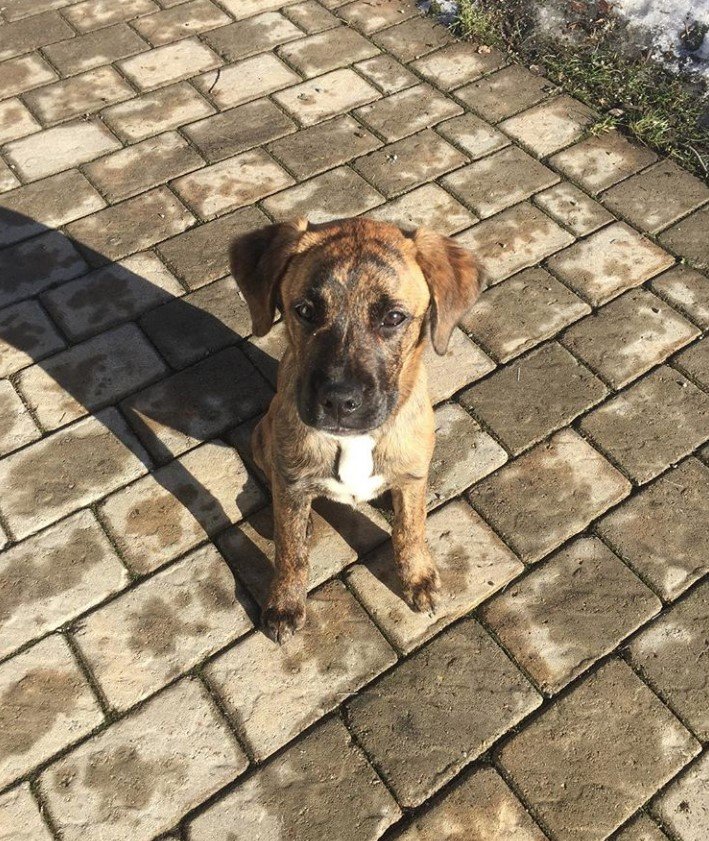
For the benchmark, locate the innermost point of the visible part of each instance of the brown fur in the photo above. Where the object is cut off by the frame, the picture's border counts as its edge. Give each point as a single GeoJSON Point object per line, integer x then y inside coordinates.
{"type": "Point", "coordinates": [350, 265]}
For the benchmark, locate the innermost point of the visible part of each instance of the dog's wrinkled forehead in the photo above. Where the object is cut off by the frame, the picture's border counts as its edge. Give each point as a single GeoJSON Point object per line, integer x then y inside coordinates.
{"type": "Point", "coordinates": [358, 257]}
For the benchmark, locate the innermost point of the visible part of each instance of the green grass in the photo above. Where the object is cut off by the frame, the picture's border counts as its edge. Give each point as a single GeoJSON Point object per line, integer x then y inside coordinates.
{"type": "Point", "coordinates": [631, 94]}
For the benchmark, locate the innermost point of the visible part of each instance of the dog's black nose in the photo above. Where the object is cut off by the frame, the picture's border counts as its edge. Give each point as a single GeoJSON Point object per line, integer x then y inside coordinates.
{"type": "Point", "coordinates": [340, 399]}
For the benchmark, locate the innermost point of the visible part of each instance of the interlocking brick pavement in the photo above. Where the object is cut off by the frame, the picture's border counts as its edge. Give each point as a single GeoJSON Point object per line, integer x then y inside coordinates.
{"type": "Point", "coordinates": [560, 690]}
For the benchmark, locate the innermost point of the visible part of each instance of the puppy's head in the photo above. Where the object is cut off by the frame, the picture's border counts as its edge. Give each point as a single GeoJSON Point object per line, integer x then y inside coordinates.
{"type": "Point", "coordinates": [357, 297]}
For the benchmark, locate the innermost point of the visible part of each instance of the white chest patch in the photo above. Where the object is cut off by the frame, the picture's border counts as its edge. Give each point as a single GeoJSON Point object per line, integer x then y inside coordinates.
{"type": "Point", "coordinates": [355, 468]}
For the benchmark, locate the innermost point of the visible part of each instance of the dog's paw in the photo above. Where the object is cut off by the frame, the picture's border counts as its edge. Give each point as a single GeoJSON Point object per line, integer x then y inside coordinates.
{"type": "Point", "coordinates": [281, 621]}
{"type": "Point", "coordinates": [422, 595]}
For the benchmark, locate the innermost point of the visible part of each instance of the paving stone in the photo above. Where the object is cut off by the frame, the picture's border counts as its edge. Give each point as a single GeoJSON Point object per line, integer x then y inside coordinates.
{"type": "Point", "coordinates": [49, 203]}
{"type": "Point", "coordinates": [246, 80]}
{"type": "Point", "coordinates": [427, 206]}
{"type": "Point", "coordinates": [255, 35]}
{"type": "Point", "coordinates": [335, 543]}
{"type": "Point", "coordinates": [629, 336]}
{"type": "Point", "coordinates": [546, 128]}
{"type": "Point", "coordinates": [505, 92]}
{"type": "Point", "coordinates": [651, 425]}
{"type": "Point", "coordinates": [571, 207]}
{"type": "Point", "coordinates": [239, 9]}
{"type": "Point", "coordinates": [18, 9]}
{"type": "Point", "coordinates": [319, 99]}
{"type": "Point", "coordinates": [324, 781]}
{"type": "Point", "coordinates": [657, 197]}
{"type": "Point", "coordinates": [70, 469]}
{"type": "Point", "coordinates": [108, 296]}
{"type": "Point", "coordinates": [7, 178]}
{"type": "Point", "coordinates": [688, 238]}
{"type": "Point", "coordinates": [463, 454]}
{"type": "Point", "coordinates": [684, 807]}
{"type": "Point", "coordinates": [170, 63]}
{"type": "Point", "coordinates": [25, 35]}
{"type": "Point", "coordinates": [327, 50]}
{"type": "Point", "coordinates": [407, 111]}
{"type": "Point", "coordinates": [518, 314]}
{"type": "Point", "coordinates": [152, 113]}
{"type": "Point", "coordinates": [332, 195]}
{"type": "Point", "coordinates": [572, 484]}
{"type": "Point", "coordinates": [526, 401]}
{"type": "Point", "coordinates": [143, 165]}
{"type": "Point", "coordinates": [232, 183]}
{"type": "Point", "coordinates": [171, 755]}
{"type": "Point", "coordinates": [194, 405]}
{"type": "Point", "coordinates": [173, 509]}
{"type": "Point", "coordinates": [26, 335]}
{"type": "Point", "coordinates": [473, 135]}
{"type": "Point", "coordinates": [610, 736]}
{"type": "Point", "coordinates": [370, 16]}
{"type": "Point", "coordinates": [239, 129]}
{"type": "Point", "coordinates": [95, 48]}
{"type": "Point", "coordinates": [672, 655]}
{"type": "Point", "coordinates": [15, 120]}
{"type": "Point", "coordinates": [473, 564]}
{"type": "Point", "coordinates": [95, 14]}
{"type": "Point", "coordinates": [130, 226]}
{"type": "Point", "coordinates": [499, 180]}
{"type": "Point", "coordinates": [413, 38]}
{"type": "Point", "coordinates": [463, 363]}
{"type": "Point", "coordinates": [311, 16]}
{"type": "Point", "coordinates": [20, 818]}
{"type": "Point", "coordinates": [274, 693]}
{"type": "Point", "coordinates": [608, 262]}
{"type": "Point", "coordinates": [409, 162]}
{"type": "Point", "coordinates": [561, 618]}
{"type": "Point", "coordinates": [59, 148]}
{"type": "Point", "coordinates": [201, 255]}
{"type": "Point", "coordinates": [458, 64]}
{"type": "Point", "coordinates": [471, 810]}
{"type": "Point", "coordinates": [189, 18]}
{"type": "Point", "coordinates": [46, 705]}
{"type": "Point", "coordinates": [53, 577]}
{"type": "Point", "coordinates": [687, 290]}
{"type": "Point", "coordinates": [29, 267]}
{"type": "Point", "coordinates": [641, 829]}
{"type": "Point", "coordinates": [190, 328]}
{"type": "Point", "coordinates": [160, 629]}
{"type": "Point", "coordinates": [694, 361]}
{"type": "Point", "coordinates": [24, 73]}
{"type": "Point", "coordinates": [265, 352]}
{"type": "Point", "coordinates": [89, 376]}
{"type": "Point", "coordinates": [599, 162]}
{"type": "Point", "coordinates": [16, 425]}
{"type": "Point", "coordinates": [446, 725]}
{"type": "Point", "coordinates": [513, 240]}
{"type": "Point", "coordinates": [323, 146]}
{"type": "Point", "coordinates": [386, 73]}
{"type": "Point", "coordinates": [660, 532]}
{"type": "Point", "coordinates": [79, 95]}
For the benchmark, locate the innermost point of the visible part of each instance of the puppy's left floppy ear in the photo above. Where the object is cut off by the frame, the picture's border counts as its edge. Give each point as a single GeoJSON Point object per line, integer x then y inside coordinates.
{"type": "Point", "coordinates": [258, 261]}
{"type": "Point", "coordinates": [453, 279]}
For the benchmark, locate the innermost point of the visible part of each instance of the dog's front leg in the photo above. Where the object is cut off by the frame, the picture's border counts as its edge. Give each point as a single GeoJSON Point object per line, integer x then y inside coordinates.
{"type": "Point", "coordinates": [284, 610]}
{"type": "Point", "coordinates": [417, 570]}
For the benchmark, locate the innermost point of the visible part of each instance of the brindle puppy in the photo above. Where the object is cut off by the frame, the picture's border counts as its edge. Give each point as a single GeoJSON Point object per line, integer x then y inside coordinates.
{"type": "Point", "coordinates": [351, 416]}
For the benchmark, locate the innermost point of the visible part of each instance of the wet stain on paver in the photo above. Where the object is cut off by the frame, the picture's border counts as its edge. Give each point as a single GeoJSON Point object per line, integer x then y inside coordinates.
{"type": "Point", "coordinates": [30, 707]}
{"type": "Point", "coordinates": [26, 581]}
{"type": "Point", "coordinates": [127, 781]}
{"type": "Point", "coordinates": [158, 626]}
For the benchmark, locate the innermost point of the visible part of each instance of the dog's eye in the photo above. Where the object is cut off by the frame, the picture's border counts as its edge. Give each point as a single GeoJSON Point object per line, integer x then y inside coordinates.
{"type": "Point", "coordinates": [393, 319]}
{"type": "Point", "coordinates": [305, 311]}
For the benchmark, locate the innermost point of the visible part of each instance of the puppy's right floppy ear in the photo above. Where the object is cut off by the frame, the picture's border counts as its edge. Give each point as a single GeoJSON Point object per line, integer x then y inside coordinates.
{"type": "Point", "coordinates": [258, 261]}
